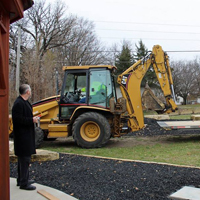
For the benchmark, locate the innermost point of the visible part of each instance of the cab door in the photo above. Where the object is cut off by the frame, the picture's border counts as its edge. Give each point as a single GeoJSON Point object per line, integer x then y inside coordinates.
{"type": "Point", "coordinates": [73, 94]}
{"type": "Point", "coordinates": [101, 87]}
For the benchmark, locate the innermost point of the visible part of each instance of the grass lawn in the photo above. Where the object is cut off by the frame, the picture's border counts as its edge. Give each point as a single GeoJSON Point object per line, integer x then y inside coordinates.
{"type": "Point", "coordinates": [180, 150]}
{"type": "Point", "coordinates": [189, 106]}
{"type": "Point", "coordinates": [182, 117]}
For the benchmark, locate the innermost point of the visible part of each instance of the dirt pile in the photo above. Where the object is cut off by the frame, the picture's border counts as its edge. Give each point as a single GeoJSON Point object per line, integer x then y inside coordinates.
{"type": "Point", "coordinates": [152, 128]}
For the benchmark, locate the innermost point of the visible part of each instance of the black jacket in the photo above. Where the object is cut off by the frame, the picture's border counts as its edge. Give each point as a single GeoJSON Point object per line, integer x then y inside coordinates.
{"type": "Point", "coordinates": [23, 128]}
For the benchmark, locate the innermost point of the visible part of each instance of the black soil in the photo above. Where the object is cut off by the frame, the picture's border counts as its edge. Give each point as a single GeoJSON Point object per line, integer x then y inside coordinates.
{"type": "Point", "coordinates": [88, 178]}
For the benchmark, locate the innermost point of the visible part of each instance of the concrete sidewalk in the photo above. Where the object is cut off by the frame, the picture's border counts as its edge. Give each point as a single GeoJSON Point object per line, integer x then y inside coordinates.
{"type": "Point", "coordinates": [186, 192]}
{"type": "Point", "coordinates": [17, 194]}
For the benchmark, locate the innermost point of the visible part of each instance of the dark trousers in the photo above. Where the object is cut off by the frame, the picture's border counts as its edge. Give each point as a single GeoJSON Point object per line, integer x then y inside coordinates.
{"type": "Point", "coordinates": [23, 170]}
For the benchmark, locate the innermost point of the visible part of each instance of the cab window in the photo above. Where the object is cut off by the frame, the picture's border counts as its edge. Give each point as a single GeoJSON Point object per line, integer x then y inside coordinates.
{"type": "Point", "coordinates": [100, 88]}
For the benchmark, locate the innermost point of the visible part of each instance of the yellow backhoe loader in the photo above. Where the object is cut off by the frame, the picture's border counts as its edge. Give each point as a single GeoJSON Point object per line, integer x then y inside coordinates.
{"type": "Point", "coordinates": [88, 108]}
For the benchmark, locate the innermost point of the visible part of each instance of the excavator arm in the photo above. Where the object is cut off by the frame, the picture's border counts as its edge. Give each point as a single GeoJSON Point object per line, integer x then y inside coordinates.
{"type": "Point", "coordinates": [130, 81]}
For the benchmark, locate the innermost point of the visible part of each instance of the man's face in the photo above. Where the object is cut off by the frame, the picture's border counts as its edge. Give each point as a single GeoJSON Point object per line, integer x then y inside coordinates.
{"type": "Point", "coordinates": [29, 93]}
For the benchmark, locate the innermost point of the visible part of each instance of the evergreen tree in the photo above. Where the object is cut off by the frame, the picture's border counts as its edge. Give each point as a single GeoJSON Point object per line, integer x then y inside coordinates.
{"type": "Point", "coordinates": [150, 77]}
{"type": "Point", "coordinates": [124, 59]}
{"type": "Point", "coordinates": [141, 51]}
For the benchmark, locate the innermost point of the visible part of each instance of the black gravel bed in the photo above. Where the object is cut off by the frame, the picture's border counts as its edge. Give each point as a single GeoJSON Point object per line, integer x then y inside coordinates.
{"type": "Point", "coordinates": [152, 129]}
{"type": "Point", "coordinates": [89, 178]}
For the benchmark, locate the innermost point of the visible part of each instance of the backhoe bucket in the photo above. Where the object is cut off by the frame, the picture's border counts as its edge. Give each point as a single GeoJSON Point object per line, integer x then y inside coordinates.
{"type": "Point", "coordinates": [151, 102]}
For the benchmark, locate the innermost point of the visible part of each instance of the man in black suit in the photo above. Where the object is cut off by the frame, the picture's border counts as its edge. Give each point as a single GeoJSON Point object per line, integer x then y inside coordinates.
{"type": "Point", "coordinates": [24, 135]}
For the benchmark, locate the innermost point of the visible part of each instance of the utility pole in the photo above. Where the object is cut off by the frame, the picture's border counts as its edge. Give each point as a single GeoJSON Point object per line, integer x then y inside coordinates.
{"type": "Point", "coordinates": [18, 60]}
{"type": "Point", "coordinates": [57, 87]}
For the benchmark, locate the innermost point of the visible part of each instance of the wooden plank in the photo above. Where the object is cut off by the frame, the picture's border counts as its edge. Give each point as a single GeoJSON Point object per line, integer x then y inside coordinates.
{"type": "Point", "coordinates": [195, 117]}
{"type": "Point", "coordinates": [183, 123]}
{"type": "Point", "coordinates": [47, 195]}
{"type": "Point", "coordinates": [158, 117]}
{"type": "Point", "coordinates": [180, 124]}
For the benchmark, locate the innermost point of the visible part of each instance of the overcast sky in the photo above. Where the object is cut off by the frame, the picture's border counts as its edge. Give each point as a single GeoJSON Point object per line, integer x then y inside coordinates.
{"type": "Point", "coordinates": [173, 24]}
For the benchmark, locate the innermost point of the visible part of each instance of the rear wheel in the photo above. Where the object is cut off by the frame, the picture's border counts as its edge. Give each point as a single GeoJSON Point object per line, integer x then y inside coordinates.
{"type": "Point", "coordinates": [48, 139]}
{"type": "Point", "coordinates": [91, 130]}
{"type": "Point", "coordinates": [11, 135]}
{"type": "Point", "coordinates": [39, 136]}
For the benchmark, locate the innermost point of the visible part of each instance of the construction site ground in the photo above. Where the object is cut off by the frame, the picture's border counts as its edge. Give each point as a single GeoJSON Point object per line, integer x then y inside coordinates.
{"type": "Point", "coordinates": [89, 178]}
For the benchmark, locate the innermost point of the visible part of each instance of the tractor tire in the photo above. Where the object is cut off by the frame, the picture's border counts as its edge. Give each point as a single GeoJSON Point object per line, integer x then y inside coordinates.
{"type": "Point", "coordinates": [39, 136]}
{"type": "Point", "coordinates": [11, 135]}
{"type": "Point", "coordinates": [91, 130]}
{"type": "Point", "coordinates": [49, 139]}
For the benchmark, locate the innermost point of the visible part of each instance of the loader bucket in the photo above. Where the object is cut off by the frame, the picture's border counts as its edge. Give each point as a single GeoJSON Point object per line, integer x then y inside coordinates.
{"type": "Point", "coordinates": [151, 102]}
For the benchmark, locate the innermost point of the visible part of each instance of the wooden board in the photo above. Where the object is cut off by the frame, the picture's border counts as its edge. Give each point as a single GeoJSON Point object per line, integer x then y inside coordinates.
{"type": "Point", "coordinates": [195, 117]}
{"type": "Point", "coordinates": [179, 124]}
{"type": "Point", "coordinates": [47, 195]}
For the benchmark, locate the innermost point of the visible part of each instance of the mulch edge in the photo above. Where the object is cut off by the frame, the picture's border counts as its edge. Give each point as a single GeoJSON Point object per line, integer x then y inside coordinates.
{"type": "Point", "coordinates": [129, 160]}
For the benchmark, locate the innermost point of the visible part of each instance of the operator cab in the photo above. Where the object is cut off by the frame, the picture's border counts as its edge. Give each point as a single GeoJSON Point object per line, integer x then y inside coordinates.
{"type": "Point", "coordinates": [86, 86]}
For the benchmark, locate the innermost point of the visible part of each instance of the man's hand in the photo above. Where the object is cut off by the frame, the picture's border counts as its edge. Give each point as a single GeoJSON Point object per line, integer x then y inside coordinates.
{"type": "Point", "coordinates": [35, 119]}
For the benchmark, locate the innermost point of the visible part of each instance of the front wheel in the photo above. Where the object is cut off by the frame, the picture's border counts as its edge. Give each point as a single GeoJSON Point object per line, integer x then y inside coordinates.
{"type": "Point", "coordinates": [91, 130]}
{"type": "Point", "coordinates": [39, 136]}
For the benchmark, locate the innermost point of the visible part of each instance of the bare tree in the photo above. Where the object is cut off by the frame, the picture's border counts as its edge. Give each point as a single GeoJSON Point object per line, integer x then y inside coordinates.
{"type": "Point", "coordinates": [53, 39]}
{"type": "Point", "coordinates": [185, 77]}
{"type": "Point", "coordinates": [85, 49]}
{"type": "Point", "coordinates": [48, 28]}
{"type": "Point", "coordinates": [13, 40]}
